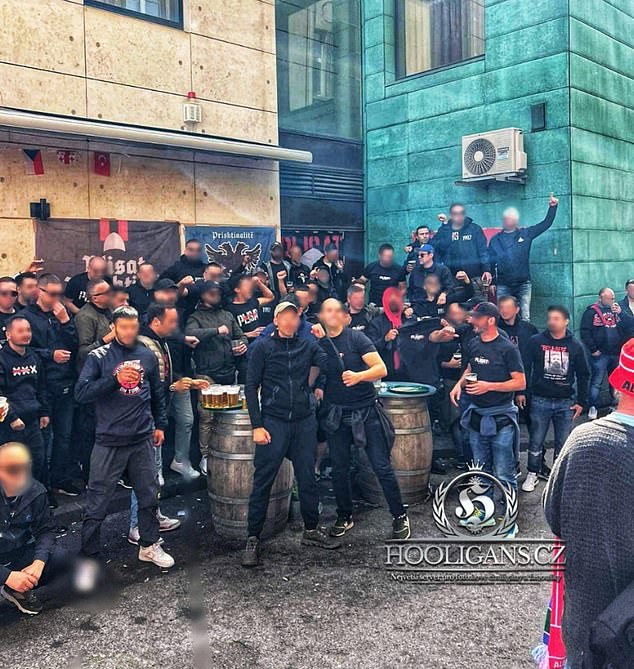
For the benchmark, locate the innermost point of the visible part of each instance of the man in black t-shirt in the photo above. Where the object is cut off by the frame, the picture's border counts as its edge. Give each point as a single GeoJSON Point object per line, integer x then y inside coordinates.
{"type": "Point", "coordinates": [75, 293]}
{"type": "Point", "coordinates": [298, 273]}
{"type": "Point", "coordinates": [278, 269]}
{"type": "Point", "coordinates": [382, 274]}
{"type": "Point", "coordinates": [359, 312]}
{"type": "Point", "coordinates": [352, 415]}
{"type": "Point", "coordinates": [493, 373]}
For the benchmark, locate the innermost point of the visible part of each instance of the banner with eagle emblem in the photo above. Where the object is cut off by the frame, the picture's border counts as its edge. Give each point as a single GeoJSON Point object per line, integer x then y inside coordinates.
{"type": "Point", "coordinates": [233, 246]}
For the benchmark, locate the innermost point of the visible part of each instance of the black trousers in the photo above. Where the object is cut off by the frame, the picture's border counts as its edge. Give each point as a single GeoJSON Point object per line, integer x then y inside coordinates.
{"type": "Point", "coordinates": [84, 436]}
{"type": "Point", "coordinates": [107, 465]}
{"type": "Point", "coordinates": [340, 443]}
{"type": "Point", "coordinates": [64, 467]}
{"type": "Point", "coordinates": [58, 564]}
{"type": "Point", "coordinates": [296, 441]}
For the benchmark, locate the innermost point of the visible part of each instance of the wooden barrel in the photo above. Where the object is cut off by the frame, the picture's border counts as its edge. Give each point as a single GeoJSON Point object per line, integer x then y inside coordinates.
{"type": "Point", "coordinates": [230, 478]}
{"type": "Point", "coordinates": [411, 454]}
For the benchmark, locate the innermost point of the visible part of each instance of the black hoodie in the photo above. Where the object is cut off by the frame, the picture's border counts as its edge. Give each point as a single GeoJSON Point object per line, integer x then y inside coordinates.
{"type": "Point", "coordinates": [22, 382]}
{"type": "Point", "coordinates": [464, 249]}
{"type": "Point", "coordinates": [601, 329]}
{"type": "Point", "coordinates": [184, 267]}
{"type": "Point", "coordinates": [553, 365]}
{"type": "Point", "coordinates": [25, 522]}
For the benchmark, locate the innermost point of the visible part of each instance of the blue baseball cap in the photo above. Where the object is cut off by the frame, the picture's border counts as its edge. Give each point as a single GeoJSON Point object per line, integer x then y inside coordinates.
{"type": "Point", "coordinates": [426, 248]}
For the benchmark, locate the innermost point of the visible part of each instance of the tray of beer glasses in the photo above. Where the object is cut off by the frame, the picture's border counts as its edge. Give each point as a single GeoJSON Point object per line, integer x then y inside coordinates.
{"type": "Point", "coordinates": [221, 398]}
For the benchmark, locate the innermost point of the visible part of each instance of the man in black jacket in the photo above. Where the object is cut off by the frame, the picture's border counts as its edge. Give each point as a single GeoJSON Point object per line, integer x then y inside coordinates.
{"type": "Point", "coordinates": [55, 341]}
{"type": "Point", "coordinates": [8, 296]}
{"type": "Point", "coordinates": [554, 362]}
{"type": "Point", "coordinates": [284, 425]}
{"type": "Point", "coordinates": [22, 382]}
{"type": "Point", "coordinates": [123, 380]}
{"type": "Point", "coordinates": [602, 334]}
{"type": "Point", "coordinates": [461, 245]}
{"type": "Point", "coordinates": [190, 264]}
{"type": "Point", "coordinates": [142, 291]}
{"type": "Point", "coordinates": [427, 265]}
{"type": "Point", "coordinates": [29, 558]}
{"type": "Point", "coordinates": [510, 251]}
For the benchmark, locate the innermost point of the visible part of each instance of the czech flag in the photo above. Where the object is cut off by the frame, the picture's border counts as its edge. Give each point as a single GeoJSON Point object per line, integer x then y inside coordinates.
{"type": "Point", "coordinates": [33, 163]}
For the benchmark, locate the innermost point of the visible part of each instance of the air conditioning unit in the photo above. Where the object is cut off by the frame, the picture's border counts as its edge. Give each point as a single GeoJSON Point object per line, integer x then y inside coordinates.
{"type": "Point", "coordinates": [192, 112]}
{"type": "Point", "coordinates": [495, 155]}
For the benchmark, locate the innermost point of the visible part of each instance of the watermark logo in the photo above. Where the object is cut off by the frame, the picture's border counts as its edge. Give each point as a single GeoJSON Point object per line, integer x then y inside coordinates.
{"type": "Point", "coordinates": [474, 513]}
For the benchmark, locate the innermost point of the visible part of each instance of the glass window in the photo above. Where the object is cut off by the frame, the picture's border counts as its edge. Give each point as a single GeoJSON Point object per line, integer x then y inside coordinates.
{"type": "Point", "coordinates": [434, 33]}
{"type": "Point", "coordinates": [164, 11]}
{"type": "Point", "coordinates": [319, 67]}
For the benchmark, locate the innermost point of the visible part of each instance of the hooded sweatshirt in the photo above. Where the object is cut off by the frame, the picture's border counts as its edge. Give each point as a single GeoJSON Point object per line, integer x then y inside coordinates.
{"type": "Point", "coordinates": [22, 382]}
{"type": "Point", "coordinates": [510, 251]}
{"type": "Point", "coordinates": [554, 365]}
{"type": "Point", "coordinates": [601, 329]}
{"type": "Point", "coordinates": [464, 249]}
{"type": "Point", "coordinates": [380, 326]}
{"type": "Point", "coordinates": [213, 356]}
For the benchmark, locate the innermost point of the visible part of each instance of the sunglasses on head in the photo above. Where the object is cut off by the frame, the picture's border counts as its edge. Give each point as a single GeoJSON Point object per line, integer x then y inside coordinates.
{"type": "Point", "coordinates": [16, 470]}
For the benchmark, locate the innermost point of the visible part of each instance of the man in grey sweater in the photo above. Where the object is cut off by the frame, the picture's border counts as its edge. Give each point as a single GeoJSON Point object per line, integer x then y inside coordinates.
{"type": "Point", "coordinates": [588, 503]}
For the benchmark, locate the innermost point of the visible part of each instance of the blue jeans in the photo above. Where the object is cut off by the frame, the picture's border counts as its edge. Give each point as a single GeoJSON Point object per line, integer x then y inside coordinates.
{"type": "Point", "coordinates": [182, 413]}
{"type": "Point", "coordinates": [600, 366]}
{"type": "Point", "coordinates": [496, 454]}
{"type": "Point", "coordinates": [523, 292]}
{"type": "Point", "coordinates": [543, 411]}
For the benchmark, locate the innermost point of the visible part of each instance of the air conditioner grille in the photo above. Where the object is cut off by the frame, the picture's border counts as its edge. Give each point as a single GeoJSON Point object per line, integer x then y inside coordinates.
{"type": "Point", "coordinates": [479, 156]}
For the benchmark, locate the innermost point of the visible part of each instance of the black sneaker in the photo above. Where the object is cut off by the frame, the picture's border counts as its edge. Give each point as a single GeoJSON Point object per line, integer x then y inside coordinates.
{"type": "Point", "coordinates": [400, 528]}
{"type": "Point", "coordinates": [544, 473]}
{"type": "Point", "coordinates": [69, 489]}
{"type": "Point", "coordinates": [341, 526]}
{"type": "Point", "coordinates": [437, 467]}
{"type": "Point", "coordinates": [320, 539]}
{"type": "Point", "coordinates": [52, 502]}
{"type": "Point", "coordinates": [251, 553]}
{"type": "Point", "coordinates": [27, 602]}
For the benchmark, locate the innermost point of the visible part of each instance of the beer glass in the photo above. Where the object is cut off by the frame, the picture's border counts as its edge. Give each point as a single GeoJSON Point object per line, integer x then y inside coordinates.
{"type": "Point", "coordinates": [206, 398]}
{"type": "Point", "coordinates": [216, 396]}
{"type": "Point", "coordinates": [233, 396]}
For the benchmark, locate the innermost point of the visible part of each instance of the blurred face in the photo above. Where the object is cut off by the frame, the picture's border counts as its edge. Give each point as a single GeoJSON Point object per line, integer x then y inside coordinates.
{"type": "Point", "coordinates": [19, 332]}
{"type": "Point", "coordinates": [15, 469]}
{"type": "Point", "coordinates": [509, 222]}
{"type": "Point", "coordinates": [211, 298]}
{"type": "Point", "coordinates": [119, 299]}
{"type": "Point", "coordinates": [97, 268]}
{"type": "Point", "coordinates": [213, 273]}
{"type": "Point", "coordinates": [168, 326]}
{"type": "Point", "coordinates": [422, 235]}
{"type": "Point", "coordinates": [395, 303]}
{"type": "Point", "coordinates": [146, 276]}
{"type": "Point", "coordinates": [332, 314]}
{"type": "Point", "coordinates": [126, 330]}
{"type": "Point", "coordinates": [630, 291]}
{"type": "Point", "coordinates": [356, 300]}
{"type": "Point", "coordinates": [50, 295]}
{"type": "Point", "coordinates": [481, 323]}
{"type": "Point", "coordinates": [607, 297]}
{"type": "Point", "coordinates": [457, 214]}
{"type": "Point", "coordinates": [304, 298]}
{"type": "Point", "coordinates": [296, 254]}
{"type": "Point", "coordinates": [313, 291]}
{"type": "Point", "coordinates": [455, 314]}
{"type": "Point", "coordinates": [323, 276]}
{"type": "Point", "coordinates": [8, 295]}
{"type": "Point", "coordinates": [264, 278]}
{"type": "Point", "coordinates": [277, 253]}
{"type": "Point", "coordinates": [426, 258]}
{"type": "Point", "coordinates": [508, 309]}
{"type": "Point", "coordinates": [386, 258]}
{"type": "Point", "coordinates": [287, 322]}
{"type": "Point", "coordinates": [28, 291]}
{"type": "Point", "coordinates": [193, 251]}
{"type": "Point", "coordinates": [244, 289]}
{"type": "Point", "coordinates": [168, 296]}
{"type": "Point", "coordinates": [432, 285]}
{"type": "Point", "coordinates": [102, 296]}
{"type": "Point", "coordinates": [332, 256]}
{"type": "Point", "coordinates": [557, 322]}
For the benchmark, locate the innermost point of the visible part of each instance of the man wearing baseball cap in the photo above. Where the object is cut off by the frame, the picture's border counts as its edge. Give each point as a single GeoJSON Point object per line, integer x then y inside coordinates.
{"type": "Point", "coordinates": [493, 374]}
{"type": "Point", "coordinates": [588, 503]}
{"type": "Point", "coordinates": [284, 425]}
{"type": "Point", "coordinates": [427, 265]}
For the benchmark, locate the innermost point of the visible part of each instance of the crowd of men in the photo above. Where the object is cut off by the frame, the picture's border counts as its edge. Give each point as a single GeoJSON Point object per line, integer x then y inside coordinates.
{"type": "Point", "coordinates": [95, 373]}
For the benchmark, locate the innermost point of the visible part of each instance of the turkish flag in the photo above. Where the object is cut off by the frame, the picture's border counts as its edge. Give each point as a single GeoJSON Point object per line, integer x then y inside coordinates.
{"type": "Point", "coordinates": [102, 163]}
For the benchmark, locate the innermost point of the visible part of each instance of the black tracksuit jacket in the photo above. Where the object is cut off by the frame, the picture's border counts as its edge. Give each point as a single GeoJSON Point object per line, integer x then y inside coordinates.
{"type": "Point", "coordinates": [25, 523]}
{"type": "Point", "coordinates": [279, 368]}
{"type": "Point", "coordinates": [23, 383]}
{"type": "Point", "coordinates": [125, 416]}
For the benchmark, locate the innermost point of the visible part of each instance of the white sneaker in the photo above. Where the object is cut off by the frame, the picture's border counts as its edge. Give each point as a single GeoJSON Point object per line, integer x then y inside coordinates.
{"type": "Point", "coordinates": [592, 413]}
{"type": "Point", "coordinates": [161, 479]}
{"type": "Point", "coordinates": [530, 482]}
{"type": "Point", "coordinates": [134, 536]}
{"type": "Point", "coordinates": [157, 555]}
{"type": "Point", "coordinates": [184, 469]}
{"type": "Point", "coordinates": [167, 524]}
{"type": "Point", "coordinates": [203, 465]}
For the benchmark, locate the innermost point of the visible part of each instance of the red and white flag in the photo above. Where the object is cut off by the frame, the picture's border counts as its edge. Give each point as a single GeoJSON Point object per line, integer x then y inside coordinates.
{"type": "Point", "coordinates": [33, 163]}
{"type": "Point", "coordinates": [67, 157]}
{"type": "Point", "coordinates": [102, 163]}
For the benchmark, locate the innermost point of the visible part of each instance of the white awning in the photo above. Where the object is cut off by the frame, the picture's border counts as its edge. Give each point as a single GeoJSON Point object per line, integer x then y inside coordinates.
{"type": "Point", "coordinates": [21, 120]}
